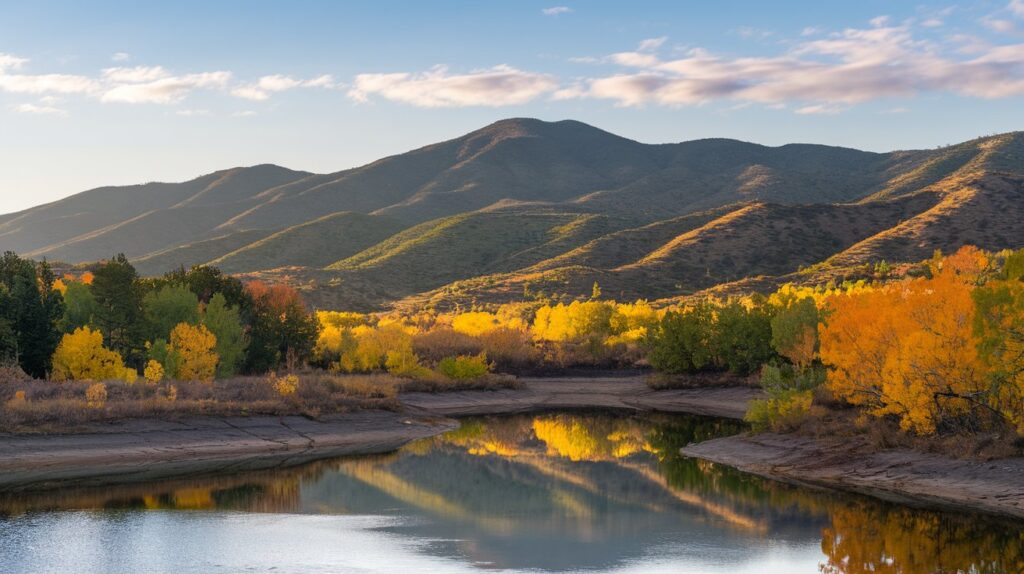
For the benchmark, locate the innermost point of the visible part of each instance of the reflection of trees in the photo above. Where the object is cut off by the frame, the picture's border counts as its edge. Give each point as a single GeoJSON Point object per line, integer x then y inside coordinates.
{"type": "Point", "coordinates": [868, 537]}
{"type": "Point", "coordinates": [258, 491]}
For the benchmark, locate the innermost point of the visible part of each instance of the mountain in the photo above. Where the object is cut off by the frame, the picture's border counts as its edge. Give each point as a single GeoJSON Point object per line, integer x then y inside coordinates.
{"type": "Point", "coordinates": [524, 206]}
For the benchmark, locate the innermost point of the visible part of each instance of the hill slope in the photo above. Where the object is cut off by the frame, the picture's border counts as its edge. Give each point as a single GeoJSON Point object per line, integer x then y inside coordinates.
{"type": "Point", "coordinates": [522, 206]}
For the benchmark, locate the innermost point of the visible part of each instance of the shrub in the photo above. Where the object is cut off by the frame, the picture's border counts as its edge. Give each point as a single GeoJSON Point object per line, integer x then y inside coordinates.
{"type": "Point", "coordinates": [285, 386]}
{"type": "Point", "coordinates": [781, 412]}
{"type": "Point", "coordinates": [405, 363]}
{"type": "Point", "coordinates": [510, 349]}
{"type": "Point", "coordinates": [96, 395]}
{"type": "Point", "coordinates": [464, 367]}
{"type": "Point", "coordinates": [154, 371]}
{"type": "Point", "coordinates": [442, 342]}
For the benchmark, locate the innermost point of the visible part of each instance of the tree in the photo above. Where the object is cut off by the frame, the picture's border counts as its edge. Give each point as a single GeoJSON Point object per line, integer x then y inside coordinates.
{"type": "Point", "coordinates": [79, 306]}
{"type": "Point", "coordinates": [33, 311]}
{"type": "Point", "coordinates": [281, 328]}
{"type": "Point", "coordinates": [679, 343]}
{"type": "Point", "coordinates": [999, 327]}
{"type": "Point", "coordinates": [795, 332]}
{"type": "Point", "coordinates": [81, 356]}
{"type": "Point", "coordinates": [907, 350]}
{"type": "Point", "coordinates": [167, 307]}
{"type": "Point", "coordinates": [195, 346]}
{"type": "Point", "coordinates": [741, 339]}
{"type": "Point", "coordinates": [206, 281]}
{"type": "Point", "coordinates": [226, 325]}
{"type": "Point", "coordinates": [119, 314]}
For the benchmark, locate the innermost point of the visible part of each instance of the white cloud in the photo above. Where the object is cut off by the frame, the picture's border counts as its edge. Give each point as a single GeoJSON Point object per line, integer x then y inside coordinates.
{"type": "Point", "coordinates": [498, 86]}
{"type": "Point", "coordinates": [135, 75]}
{"type": "Point", "coordinates": [810, 31]}
{"type": "Point", "coordinates": [169, 90]}
{"type": "Point", "coordinates": [8, 61]}
{"type": "Point", "coordinates": [47, 83]}
{"type": "Point", "coordinates": [819, 109]}
{"type": "Point", "coordinates": [999, 25]}
{"type": "Point", "coordinates": [120, 57]}
{"type": "Point", "coordinates": [823, 74]}
{"type": "Point", "coordinates": [556, 10]}
{"type": "Point", "coordinates": [932, 23]}
{"type": "Point", "coordinates": [40, 110]}
{"type": "Point", "coordinates": [1017, 7]}
{"type": "Point", "coordinates": [243, 114]}
{"type": "Point", "coordinates": [193, 113]}
{"type": "Point", "coordinates": [879, 21]}
{"type": "Point", "coordinates": [266, 85]}
{"type": "Point", "coordinates": [651, 44]}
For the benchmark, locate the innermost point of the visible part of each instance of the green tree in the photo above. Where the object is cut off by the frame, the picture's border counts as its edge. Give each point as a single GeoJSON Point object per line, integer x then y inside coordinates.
{"type": "Point", "coordinates": [741, 340]}
{"type": "Point", "coordinates": [226, 324]}
{"type": "Point", "coordinates": [79, 306]}
{"type": "Point", "coordinates": [167, 307]}
{"type": "Point", "coordinates": [795, 331]}
{"type": "Point", "coordinates": [679, 343]}
{"type": "Point", "coordinates": [281, 328]}
{"type": "Point", "coordinates": [33, 311]}
{"type": "Point", "coordinates": [119, 314]}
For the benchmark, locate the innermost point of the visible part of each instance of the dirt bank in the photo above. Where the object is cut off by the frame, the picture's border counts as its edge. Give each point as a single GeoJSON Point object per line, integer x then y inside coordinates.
{"type": "Point", "coordinates": [900, 475]}
{"type": "Point", "coordinates": [141, 450]}
{"type": "Point", "coordinates": [630, 393]}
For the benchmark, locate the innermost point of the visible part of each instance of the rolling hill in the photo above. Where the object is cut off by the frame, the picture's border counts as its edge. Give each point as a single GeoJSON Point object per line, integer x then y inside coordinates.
{"type": "Point", "coordinates": [524, 206]}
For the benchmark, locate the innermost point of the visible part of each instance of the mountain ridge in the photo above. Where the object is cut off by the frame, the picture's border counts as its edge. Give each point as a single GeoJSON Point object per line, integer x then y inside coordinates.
{"type": "Point", "coordinates": [525, 204]}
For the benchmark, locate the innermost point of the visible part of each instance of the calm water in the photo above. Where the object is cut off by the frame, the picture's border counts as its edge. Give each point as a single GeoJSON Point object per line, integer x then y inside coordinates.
{"type": "Point", "coordinates": [557, 492]}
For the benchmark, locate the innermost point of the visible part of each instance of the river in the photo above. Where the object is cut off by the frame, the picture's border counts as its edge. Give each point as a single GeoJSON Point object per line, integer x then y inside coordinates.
{"type": "Point", "coordinates": [556, 492]}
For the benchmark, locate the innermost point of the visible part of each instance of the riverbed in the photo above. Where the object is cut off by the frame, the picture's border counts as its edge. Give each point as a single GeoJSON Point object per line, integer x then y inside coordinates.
{"type": "Point", "coordinates": [558, 491]}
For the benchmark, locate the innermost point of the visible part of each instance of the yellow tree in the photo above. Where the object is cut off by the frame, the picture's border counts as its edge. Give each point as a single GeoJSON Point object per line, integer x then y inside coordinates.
{"type": "Point", "coordinates": [194, 345]}
{"type": "Point", "coordinates": [81, 356]}
{"type": "Point", "coordinates": [907, 349]}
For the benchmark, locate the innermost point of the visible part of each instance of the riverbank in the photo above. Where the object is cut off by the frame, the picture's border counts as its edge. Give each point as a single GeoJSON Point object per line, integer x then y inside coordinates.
{"type": "Point", "coordinates": [898, 475]}
{"type": "Point", "coordinates": [138, 450]}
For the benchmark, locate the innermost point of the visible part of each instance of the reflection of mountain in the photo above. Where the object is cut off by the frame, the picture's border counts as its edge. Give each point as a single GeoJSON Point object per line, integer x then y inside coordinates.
{"type": "Point", "coordinates": [580, 492]}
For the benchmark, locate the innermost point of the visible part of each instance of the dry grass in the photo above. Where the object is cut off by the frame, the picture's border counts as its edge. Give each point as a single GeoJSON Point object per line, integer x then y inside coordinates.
{"type": "Point", "coordinates": [440, 384]}
{"type": "Point", "coordinates": [41, 406]}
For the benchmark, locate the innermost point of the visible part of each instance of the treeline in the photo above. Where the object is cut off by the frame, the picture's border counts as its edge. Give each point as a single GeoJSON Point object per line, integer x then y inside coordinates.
{"type": "Point", "coordinates": [109, 323]}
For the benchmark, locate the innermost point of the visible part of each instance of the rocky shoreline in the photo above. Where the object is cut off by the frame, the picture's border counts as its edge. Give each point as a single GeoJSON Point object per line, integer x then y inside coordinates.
{"type": "Point", "coordinates": [898, 475]}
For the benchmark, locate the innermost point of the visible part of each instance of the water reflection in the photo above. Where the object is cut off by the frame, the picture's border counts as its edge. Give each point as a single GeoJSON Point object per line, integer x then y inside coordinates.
{"type": "Point", "coordinates": [556, 492]}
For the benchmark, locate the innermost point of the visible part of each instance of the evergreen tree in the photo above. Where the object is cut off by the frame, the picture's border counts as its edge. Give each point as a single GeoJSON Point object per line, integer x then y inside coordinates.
{"type": "Point", "coordinates": [119, 314]}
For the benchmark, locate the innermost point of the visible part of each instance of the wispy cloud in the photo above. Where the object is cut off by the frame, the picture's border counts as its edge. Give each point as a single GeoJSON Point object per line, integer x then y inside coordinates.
{"type": "Point", "coordinates": [498, 86]}
{"type": "Point", "coordinates": [193, 113]}
{"type": "Point", "coordinates": [167, 90]}
{"type": "Point", "coordinates": [556, 10]}
{"type": "Point", "coordinates": [265, 86]}
{"type": "Point", "coordinates": [120, 57]}
{"type": "Point", "coordinates": [821, 73]}
{"type": "Point", "coordinates": [40, 110]}
{"type": "Point", "coordinates": [651, 44]}
{"type": "Point", "coordinates": [1017, 7]}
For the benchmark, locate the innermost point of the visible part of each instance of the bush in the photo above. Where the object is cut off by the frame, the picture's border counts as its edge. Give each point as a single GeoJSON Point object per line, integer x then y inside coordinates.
{"type": "Point", "coordinates": [435, 345]}
{"type": "Point", "coordinates": [510, 349]}
{"type": "Point", "coordinates": [464, 367]}
{"type": "Point", "coordinates": [781, 412]}
{"type": "Point", "coordinates": [96, 395]}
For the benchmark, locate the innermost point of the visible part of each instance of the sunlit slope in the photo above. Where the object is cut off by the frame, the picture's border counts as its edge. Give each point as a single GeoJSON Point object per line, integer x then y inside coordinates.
{"type": "Point", "coordinates": [489, 241]}
{"type": "Point", "coordinates": [317, 243]}
{"type": "Point", "coordinates": [196, 253]}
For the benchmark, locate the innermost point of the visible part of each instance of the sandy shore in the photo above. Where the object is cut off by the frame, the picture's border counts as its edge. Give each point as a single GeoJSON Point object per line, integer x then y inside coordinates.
{"type": "Point", "coordinates": [141, 450]}
{"type": "Point", "coordinates": [899, 475]}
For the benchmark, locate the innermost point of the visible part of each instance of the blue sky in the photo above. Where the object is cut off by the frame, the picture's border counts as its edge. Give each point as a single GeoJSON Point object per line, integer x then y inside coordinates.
{"type": "Point", "coordinates": [122, 92]}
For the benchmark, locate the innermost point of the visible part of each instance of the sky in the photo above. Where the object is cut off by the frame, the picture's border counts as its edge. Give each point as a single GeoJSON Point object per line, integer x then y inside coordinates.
{"type": "Point", "coordinates": [114, 93]}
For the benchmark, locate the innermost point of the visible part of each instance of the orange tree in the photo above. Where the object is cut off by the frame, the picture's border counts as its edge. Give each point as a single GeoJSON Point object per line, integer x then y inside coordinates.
{"type": "Point", "coordinates": [907, 349]}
